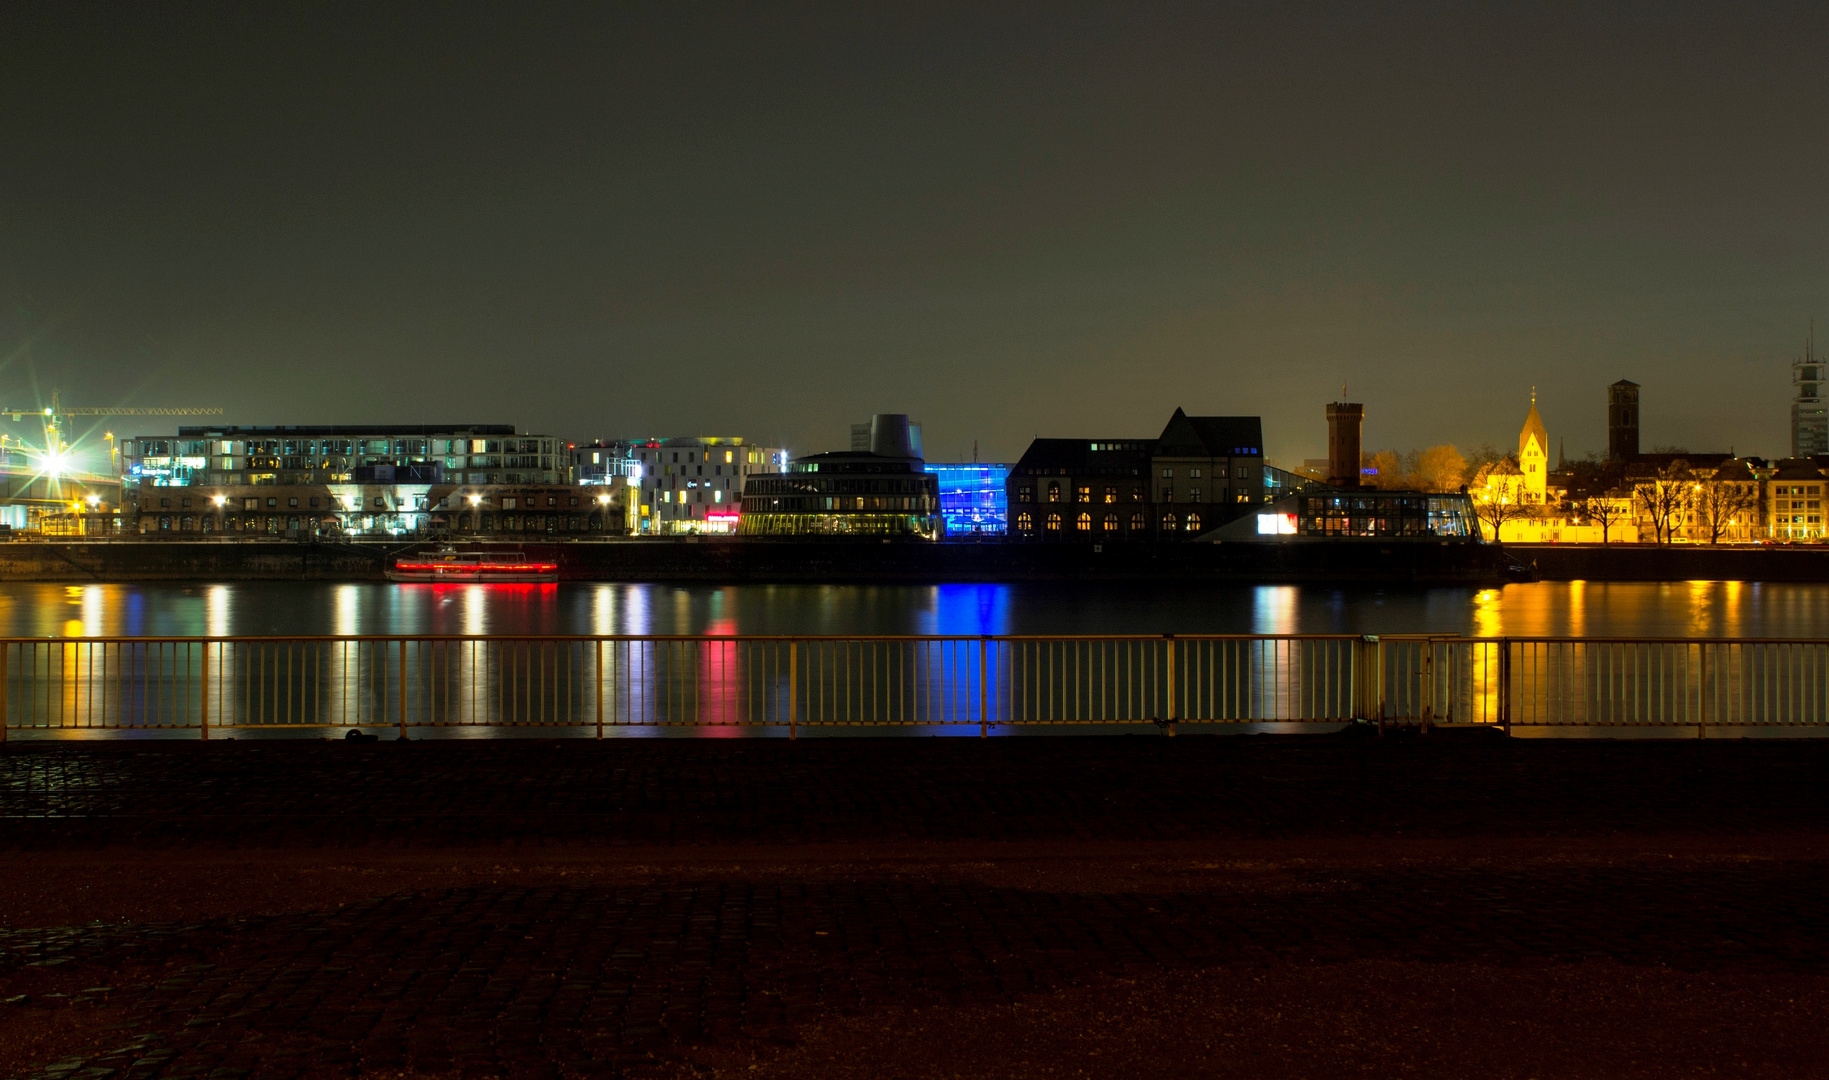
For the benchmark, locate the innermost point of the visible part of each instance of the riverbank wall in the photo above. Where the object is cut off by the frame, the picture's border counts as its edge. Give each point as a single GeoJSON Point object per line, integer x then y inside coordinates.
{"type": "Point", "coordinates": [1673, 562]}
{"type": "Point", "coordinates": [717, 560]}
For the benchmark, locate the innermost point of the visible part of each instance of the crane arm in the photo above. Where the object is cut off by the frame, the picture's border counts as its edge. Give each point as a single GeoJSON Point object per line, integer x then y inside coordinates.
{"type": "Point", "coordinates": [17, 414]}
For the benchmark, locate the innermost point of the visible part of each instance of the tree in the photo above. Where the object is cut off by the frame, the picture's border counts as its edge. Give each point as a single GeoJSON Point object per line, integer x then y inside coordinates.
{"type": "Point", "coordinates": [1483, 456]}
{"type": "Point", "coordinates": [1387, 470]}
{"type": "Point", "coordinates": [1500, 500]}
{"type": "Point", "coordinates": [1439, 468]}
{"type": "Point", "coordinates": [1607, 512]}
{"type": "Point", "coordinates": [1721, 504]}
{"type": "Point", "coordinates": [1664, 496]}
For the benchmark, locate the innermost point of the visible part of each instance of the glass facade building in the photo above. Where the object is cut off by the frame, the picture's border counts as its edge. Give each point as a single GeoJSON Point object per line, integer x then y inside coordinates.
{"type": "Point", "coordinates": [254, 456]}
{"type": "Point", "coordinates": [974, 498]}
{"type": "Point", "coordinates": [1360, 515]}
{"type": "Point", "coordinates": [845, 494]}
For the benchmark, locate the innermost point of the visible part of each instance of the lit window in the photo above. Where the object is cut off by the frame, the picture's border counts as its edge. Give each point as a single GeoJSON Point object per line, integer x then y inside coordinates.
{"type": "Point", "coordinates": [1054, 523]}
{"type": "Point", "coordinates": [1024, 523]}
{"type": "Point", "coordinates": [1193, 522]}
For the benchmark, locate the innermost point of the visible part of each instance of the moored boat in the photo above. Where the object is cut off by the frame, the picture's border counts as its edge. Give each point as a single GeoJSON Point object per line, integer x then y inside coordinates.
{"type": "Point", "coordinates": [485, 567]}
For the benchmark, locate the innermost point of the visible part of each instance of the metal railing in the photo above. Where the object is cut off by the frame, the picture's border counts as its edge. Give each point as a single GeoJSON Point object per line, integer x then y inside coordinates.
{"type": "Point", "coordinates": [973, 684]}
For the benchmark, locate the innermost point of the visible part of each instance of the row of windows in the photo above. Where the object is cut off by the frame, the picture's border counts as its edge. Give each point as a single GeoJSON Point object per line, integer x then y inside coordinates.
{"type": "Point", "coordinates": [853, 503]}
{"type": "Point", "coordinates": [839, 485]}
{"type": "Point", "coordinates": [507, 502]}
{"type": "Point", "coordinates": [713, 455]}
{"type": "Point", "coordinates": [1110, 523]}
{"type": "Point", "coordinates": [255, 523]}
{"type": "Point", "coordinates": [1083, 493]}
{"type": "Point", "coordinates": [336, 447]}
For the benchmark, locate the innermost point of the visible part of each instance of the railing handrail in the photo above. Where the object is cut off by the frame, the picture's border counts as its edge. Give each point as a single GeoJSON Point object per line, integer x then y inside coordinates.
{"type": "Point", "coordinates": [263, 638]}
{"type": "Point", "coordinates": [1512, 639]}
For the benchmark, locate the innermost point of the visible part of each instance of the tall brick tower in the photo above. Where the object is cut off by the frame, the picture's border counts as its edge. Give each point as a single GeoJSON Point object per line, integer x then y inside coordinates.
{"type": "Point", "coordinates": [1622, 421]}
{"type": "Point", "coordinates": [1344, 421]}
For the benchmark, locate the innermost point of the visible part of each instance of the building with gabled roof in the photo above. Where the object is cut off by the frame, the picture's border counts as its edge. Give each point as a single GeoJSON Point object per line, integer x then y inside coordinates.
{"type": "Point", "coordinates": [1200, 473]}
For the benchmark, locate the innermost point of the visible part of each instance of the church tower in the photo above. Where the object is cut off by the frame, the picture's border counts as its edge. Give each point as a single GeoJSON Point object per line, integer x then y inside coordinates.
{"type": "Point", "coordinates": [1534, 455]}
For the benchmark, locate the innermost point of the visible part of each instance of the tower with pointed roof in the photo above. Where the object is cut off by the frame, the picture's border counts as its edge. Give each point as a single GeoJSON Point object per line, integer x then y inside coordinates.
{"type": "Point", "coordinates": [1534, 455]}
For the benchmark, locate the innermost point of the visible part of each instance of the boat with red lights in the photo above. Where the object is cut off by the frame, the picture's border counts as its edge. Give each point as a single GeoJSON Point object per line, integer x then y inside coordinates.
{"type": "Point", "coordinates": [449, 566]}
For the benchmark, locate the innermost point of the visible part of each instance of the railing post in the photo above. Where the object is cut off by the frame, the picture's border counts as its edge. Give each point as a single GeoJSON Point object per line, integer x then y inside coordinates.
{"type": "Point", "coordinates": [1170, 638]}
{"type": "Point", "coordinates": [793, 689]}
{"type": "Point", "coordinates": [1505, 684]}
{"type": "Point", "coordinates": [600, 688]}
{"type": "Point", "coordinates": [984, 688]}
{"type": "Point", "coordinates": [1702, 693]}
{"type": "Point", "coordinates": [403, 688]}
{"type": "Point", "coordinates": [203, 704]}
{"type": "Point", "coordinates": [1428, 683]}
{"type": "Point", "coordinates": [4, 686]}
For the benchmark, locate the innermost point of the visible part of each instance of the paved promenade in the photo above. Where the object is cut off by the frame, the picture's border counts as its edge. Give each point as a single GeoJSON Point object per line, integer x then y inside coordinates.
{"type": "Point", "coordinates": [1108, 906]}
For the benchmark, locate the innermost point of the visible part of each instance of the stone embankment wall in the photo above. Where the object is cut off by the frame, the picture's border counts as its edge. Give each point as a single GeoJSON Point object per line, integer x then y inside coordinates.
{"type": "Point", "coordinates": [1674, 562]}
{"type": "Point", "coordinates": [729, 560]}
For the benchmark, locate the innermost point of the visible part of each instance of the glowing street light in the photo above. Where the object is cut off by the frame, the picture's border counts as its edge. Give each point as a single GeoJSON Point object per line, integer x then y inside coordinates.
{"type": "Point", "coordinates": [219, 500]}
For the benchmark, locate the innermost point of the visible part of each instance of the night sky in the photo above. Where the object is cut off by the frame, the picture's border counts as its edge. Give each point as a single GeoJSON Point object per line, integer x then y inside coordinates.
{"type": "Point", "coordinates": [1008, 221]}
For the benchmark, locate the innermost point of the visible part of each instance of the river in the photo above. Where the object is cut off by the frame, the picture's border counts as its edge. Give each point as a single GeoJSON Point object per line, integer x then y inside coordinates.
{"type": "Point", "coordinates": [1576, 609]}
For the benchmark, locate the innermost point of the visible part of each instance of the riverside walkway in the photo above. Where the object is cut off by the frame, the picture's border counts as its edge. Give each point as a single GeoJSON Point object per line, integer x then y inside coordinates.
{"type": "Point", "coordinates": [1447, 904]}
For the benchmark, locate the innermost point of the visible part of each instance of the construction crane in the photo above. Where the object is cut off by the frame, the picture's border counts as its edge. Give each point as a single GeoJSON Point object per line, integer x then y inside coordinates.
{"type": "Point", "coordinates": [55, 415]}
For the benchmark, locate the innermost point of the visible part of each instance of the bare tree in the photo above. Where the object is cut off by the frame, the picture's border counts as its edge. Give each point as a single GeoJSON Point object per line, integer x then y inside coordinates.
{"type": "Point", "coordinates": [1664, 496]}
{"type": "Point", "coordinates": [1721, 504]}
{"type": "Point", "coordinates": [1439, 468]}
{"type": "Point", "coordinates": [1607, 512]}
{"type": "Point", "coordinates": [1500, 502]}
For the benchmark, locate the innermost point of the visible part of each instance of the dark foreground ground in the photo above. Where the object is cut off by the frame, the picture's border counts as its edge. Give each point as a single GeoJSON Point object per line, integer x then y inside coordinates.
{"type": "Point", "coordinates": [1447, 906]}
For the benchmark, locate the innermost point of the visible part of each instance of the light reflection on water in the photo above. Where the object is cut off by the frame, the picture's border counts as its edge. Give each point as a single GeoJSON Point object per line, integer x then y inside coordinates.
{"type": "Point", "coordinates": [721, 683]}
{"type": "Point", "coordinates": [1593, 609]}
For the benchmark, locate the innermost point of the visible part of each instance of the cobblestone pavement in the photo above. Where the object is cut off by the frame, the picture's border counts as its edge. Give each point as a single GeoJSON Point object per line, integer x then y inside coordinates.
{"type": "Point", "coordinates": [603, 981]}
{"type": "Point", "coordinates": [622, 979]}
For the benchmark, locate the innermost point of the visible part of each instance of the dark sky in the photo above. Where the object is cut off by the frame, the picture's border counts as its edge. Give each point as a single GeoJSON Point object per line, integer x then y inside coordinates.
{"type": "Point", "coordinates": [1005, 220]}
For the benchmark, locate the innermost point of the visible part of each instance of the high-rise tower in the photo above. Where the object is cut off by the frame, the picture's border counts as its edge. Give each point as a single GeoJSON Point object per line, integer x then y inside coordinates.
{"type": "Point", "coordinates": [1809, 422]}
{"type": "Point", "coordinates": [1622, 421]}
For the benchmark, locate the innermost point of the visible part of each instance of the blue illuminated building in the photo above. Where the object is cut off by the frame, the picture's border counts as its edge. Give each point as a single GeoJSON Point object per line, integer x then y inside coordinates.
{"type": "Point", "coordinates": [972, 498]}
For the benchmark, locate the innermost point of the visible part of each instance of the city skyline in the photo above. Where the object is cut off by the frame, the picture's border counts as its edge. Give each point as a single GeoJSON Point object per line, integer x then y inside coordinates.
{"type": "Point", "coordinates": [675, 221]}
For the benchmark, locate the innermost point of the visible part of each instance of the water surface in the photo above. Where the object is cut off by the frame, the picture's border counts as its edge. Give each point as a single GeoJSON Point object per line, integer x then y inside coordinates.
{"type": "Point", "coordinates": [1679, 609]}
